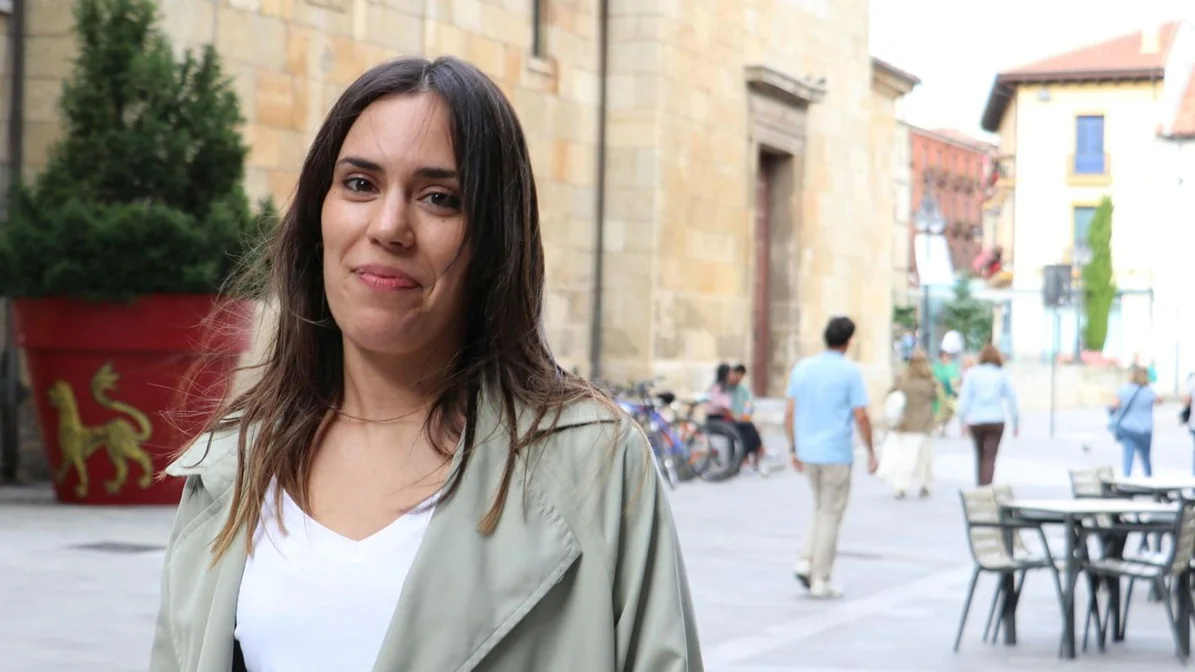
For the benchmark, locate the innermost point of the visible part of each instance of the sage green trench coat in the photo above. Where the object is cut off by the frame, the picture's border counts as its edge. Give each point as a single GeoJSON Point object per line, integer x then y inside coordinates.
{"type": "Point", "coordinates": [583, 573]}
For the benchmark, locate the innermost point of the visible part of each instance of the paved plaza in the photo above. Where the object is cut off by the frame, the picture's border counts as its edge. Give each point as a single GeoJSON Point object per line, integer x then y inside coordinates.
{"type": "Point", "coordinates": [78, 587]}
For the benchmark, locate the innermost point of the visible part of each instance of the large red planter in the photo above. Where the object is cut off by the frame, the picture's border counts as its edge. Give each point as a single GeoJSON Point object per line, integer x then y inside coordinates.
{"type": "Point", "coordinates": [119, 386]}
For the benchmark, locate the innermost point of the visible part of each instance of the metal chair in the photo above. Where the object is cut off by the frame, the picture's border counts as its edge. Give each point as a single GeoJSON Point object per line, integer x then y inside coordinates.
{"type": "Point", "coordinates": [1093, 483]}
{"type": "Point", "coordinates": [1113, 543]}
{"type": "Point", "coordinates": [1177, 569]}
{"type": "Point", "coordinates": [1090, 482]}
{"type": "Point", "coordinates": [995, 549]}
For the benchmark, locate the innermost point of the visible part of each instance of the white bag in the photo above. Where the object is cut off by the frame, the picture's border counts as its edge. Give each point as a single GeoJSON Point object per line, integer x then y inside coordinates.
{"type": "Point", "coordinates": [894, 408]}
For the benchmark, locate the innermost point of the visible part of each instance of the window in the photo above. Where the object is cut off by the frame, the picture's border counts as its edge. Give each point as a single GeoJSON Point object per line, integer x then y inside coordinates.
{"type": "Point", "coordinates": [538, 17]}
{"type": "Point", "coordinates": [1089, 145]}
{"type": "Point", "coordinates": [1083, 217]}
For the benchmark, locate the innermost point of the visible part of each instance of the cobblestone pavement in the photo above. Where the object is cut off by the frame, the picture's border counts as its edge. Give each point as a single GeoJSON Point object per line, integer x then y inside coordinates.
{"type": "Point", "coordinates": [78, 587]}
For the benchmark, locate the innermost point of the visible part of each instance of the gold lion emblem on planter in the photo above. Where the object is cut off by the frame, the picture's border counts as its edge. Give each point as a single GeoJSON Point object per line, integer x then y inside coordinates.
{"type": "Point", "coordinates": [118, 436]}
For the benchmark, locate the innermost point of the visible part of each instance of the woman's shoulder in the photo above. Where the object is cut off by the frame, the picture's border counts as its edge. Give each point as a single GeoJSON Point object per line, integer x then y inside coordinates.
{"type": "Point", "coordinates": [211, 458]}
{"type": "Point", "coordinates": [577, 426]}
{"type": "Point", "coordinates": [596, 468]}
{"type": "Point", "coordinates": [590, 440]}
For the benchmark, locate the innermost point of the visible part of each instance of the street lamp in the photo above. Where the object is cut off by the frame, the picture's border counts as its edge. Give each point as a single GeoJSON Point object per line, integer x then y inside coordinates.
{"type": "Point", "coordinates": [928, 222]}
{"type": "Point", "coordinates": [1080, 258]}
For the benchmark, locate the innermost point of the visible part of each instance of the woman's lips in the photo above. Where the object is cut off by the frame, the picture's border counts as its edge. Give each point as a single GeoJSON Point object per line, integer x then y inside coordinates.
{"type": "Point", "coordinates": [387, 279]}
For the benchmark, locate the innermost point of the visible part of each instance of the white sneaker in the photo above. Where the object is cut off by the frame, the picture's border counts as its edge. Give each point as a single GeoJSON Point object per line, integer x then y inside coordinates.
{"type": "Point", "coordinates": [801, 572]}
{"type": "Point", "coordinates": [822, 590]}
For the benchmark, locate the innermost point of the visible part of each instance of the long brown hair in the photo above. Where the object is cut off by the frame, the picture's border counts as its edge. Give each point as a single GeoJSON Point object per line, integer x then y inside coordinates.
{"type": "Point", "coordinates": [990, 355]}
{"type": "Point", "coordinates": [505, 350]}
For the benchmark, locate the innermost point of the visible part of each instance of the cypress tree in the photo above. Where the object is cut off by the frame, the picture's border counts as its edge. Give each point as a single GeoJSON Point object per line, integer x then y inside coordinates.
{"type": "Point", "coordinates": [1099, 286]}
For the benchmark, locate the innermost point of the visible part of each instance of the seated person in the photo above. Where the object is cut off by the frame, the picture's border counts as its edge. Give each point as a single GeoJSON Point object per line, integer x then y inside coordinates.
{"type": "Point", "coordinates": [740, 395]}
{"type": "Point", "coordinates": [730, 402]}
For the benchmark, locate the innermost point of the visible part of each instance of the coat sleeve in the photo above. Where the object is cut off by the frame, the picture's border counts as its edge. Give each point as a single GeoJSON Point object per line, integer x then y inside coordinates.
{"type": "Point", "coordinates": [164, 656]}
{"type": "Point", "coordinates": [655, 629]}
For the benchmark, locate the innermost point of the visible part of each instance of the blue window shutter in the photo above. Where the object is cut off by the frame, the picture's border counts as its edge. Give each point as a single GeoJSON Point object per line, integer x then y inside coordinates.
{"type": "Point", "coordinates": [1089, 145]}
{"type": "Point", "coordinates": [1095, 136]}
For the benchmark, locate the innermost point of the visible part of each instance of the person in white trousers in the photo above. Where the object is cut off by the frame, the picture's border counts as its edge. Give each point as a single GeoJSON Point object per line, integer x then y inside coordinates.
{"type": "Point", "coordinates": [906, 459]}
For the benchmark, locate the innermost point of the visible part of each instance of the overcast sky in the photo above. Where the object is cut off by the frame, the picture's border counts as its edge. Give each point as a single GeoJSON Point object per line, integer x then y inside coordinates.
{"type": "Point", "coordinates": [956, 47]}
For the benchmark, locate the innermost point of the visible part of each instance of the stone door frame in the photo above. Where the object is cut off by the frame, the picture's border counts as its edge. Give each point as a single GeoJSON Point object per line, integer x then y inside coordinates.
{"type": "Point", "coordinates": [777, 113]}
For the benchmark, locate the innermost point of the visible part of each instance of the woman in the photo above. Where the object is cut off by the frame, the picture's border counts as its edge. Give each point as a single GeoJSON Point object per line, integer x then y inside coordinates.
{"type": "Point", "coordinates": [907, 461]}
{"type": "Point", "coordinates": [720, 407]}
{"type": "Point", "coordinates": [986, 400]}
{"type": "Point", "coordinates": [413, 483]}
{"type": "Point", "coordinates": [1132, 419]}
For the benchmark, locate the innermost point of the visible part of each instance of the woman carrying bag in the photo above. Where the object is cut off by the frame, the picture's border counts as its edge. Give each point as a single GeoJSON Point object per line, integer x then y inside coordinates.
{"type": "Point", "coordinates": [907, 459]}
{"type": "Point", "coordinates": [1132, 419]}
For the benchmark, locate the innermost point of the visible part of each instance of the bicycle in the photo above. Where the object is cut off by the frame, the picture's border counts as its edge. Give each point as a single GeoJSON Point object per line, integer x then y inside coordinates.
{"type": "Point", "coordinates": [724, 446]}
{"type": "Point", "coordinates": [639, 404]}
{"type": "Point", "coordinates": [684, 449]}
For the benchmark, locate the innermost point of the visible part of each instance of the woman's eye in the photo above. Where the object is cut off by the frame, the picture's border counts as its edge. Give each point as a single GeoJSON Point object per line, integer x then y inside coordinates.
{"type": "Point", "coordinates": [358, 184]}
{"type": "Point", "coordinates": [443, 200]}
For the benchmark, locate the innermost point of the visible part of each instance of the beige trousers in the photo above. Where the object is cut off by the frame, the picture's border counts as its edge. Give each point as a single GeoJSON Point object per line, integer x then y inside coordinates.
{"type": "Point", "coordinates": [831, 485]}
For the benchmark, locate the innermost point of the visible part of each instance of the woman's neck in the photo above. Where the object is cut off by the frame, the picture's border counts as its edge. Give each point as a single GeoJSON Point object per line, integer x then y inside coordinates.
{"type": "Point", "coordinates": [385, 387]}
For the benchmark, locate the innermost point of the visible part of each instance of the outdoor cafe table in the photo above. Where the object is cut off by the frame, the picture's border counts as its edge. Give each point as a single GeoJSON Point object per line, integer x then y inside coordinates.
{"type": "Point", "coordinates": [1070, 512]}
{"type": "Point", "coordinates": [1156, 486]}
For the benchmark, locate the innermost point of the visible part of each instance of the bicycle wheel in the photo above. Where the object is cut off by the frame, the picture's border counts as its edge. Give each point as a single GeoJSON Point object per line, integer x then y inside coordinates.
{"type": "Point", "coordinates": [725, 452]}
{"type": "Point", "coordinates": [697, 450]}
{"type": "Point", "coordinates": [677, 454]}
{"type": "Point", "coordinates": [664, 462]}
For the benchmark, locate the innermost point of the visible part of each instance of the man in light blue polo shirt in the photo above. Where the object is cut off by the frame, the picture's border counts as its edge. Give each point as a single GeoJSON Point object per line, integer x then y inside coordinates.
{"type": "Point", "coordinates": [826, 402]}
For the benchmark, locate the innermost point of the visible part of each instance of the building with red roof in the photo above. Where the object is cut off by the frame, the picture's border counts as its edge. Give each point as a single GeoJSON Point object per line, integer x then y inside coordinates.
{"type": "Point", "coordinates": [1112, 119]}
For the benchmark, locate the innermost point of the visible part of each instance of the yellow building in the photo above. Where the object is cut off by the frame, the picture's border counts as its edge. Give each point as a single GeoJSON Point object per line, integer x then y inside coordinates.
{"type": "Point", "coordinates": [1095, 122]}
{"type": "Point", "coordinates": [715, 178]}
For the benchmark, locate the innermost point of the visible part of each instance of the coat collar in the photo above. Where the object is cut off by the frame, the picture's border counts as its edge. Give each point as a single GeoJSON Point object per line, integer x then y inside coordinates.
{"type": "Point", "coordinates": [465, 592]}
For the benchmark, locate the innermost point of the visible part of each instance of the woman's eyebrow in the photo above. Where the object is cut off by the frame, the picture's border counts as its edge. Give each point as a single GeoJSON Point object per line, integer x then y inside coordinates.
{"type": "Point", "coordinates": [426, 172]}
{"type": "Point", "coordinates": [363, 164]}
{"type": "Point", "coordinates": [436, 173]}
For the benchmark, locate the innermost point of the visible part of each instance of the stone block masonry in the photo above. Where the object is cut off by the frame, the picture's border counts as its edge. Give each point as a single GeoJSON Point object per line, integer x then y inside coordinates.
{"type": "Point", "coordinates": [683, 154]}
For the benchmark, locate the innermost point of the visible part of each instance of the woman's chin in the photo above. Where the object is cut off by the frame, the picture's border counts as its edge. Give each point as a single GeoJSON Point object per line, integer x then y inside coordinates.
{"type": "Point", "coordinates": [384, 337]}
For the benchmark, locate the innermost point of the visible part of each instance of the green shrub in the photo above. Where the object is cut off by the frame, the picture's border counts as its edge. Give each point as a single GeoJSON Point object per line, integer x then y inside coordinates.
{"type": "Point", "coordinates": [142, 194]}
{"type": "Point", "coordinates": [969, 316]}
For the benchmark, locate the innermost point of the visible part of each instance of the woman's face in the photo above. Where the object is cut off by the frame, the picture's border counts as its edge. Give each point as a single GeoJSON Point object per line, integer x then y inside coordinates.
{"type": "Point", "coordinates": [393, 228]}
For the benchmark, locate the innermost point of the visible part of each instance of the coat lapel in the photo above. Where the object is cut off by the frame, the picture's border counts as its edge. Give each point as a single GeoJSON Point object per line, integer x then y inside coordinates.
{"type": "Point", "coordinates": [218, 636]}
{"type": "Point", "coordinates": [466, 592]}
{"type": "Point", "coordinates": [213, 461]}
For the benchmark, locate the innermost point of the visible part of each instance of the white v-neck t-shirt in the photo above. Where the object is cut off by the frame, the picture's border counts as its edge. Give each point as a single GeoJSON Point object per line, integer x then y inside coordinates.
{"type": "Point", "coordinates": [313, 600]}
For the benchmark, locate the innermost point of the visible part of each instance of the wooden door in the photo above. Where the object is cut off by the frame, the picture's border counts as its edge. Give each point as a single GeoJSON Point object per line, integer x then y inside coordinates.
{"type": "Point", "coordinates": [761, 327]}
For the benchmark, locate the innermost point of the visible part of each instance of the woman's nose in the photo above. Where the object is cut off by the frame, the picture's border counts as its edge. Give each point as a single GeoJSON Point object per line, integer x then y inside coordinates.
{"type": "Point", "coordinates": [390, 224]}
